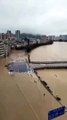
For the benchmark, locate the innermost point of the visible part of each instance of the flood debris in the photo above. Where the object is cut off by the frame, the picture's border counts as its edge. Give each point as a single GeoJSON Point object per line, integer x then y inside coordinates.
{"type": "Point", "coordinates": [58, 98]}
{"type": "Point", "coordinates": [44, 83]}
{"type": "Point", "coordinates": [44, 94]}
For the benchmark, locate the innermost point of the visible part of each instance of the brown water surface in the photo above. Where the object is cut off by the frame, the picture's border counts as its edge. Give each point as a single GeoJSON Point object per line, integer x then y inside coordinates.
{"type": "Point", "coordinates": [56, 79]}
{"type": "Point", "coordinates": [21, 98]}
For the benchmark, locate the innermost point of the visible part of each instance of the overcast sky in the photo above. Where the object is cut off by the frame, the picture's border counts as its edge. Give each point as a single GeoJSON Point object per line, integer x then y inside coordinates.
{"type": "Point", "coordinates": [34, 16]}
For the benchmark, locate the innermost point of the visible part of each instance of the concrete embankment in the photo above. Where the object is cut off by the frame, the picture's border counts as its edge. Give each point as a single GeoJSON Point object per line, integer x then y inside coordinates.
{"type": "Point", "coordinates": [49, 66]}
{"type": "Point", "coordinates": [48, 62]}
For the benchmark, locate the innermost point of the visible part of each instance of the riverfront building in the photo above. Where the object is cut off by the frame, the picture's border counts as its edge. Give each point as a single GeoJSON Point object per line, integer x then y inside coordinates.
{"type": "Point", "coordinates": [63, 37]}
{"type": "Point", "coordinates": [51, 37]}
{"type": "Point", "coordinates": [4, 49]}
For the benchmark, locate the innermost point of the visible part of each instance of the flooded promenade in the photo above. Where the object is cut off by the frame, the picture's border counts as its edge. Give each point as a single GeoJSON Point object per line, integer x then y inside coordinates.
{"type": "Point", "coordinates": [22, 96]}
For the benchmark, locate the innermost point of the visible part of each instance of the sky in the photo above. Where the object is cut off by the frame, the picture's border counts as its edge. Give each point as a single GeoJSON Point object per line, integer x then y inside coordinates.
{"type": "Point", "coordinates": [34, 16]}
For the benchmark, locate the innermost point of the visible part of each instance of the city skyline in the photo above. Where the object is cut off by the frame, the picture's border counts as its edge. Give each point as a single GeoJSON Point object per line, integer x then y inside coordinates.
{"type": "Point", "coordinates": [36, 17]}
{"type": "Point", "coordinates": [8, 31]}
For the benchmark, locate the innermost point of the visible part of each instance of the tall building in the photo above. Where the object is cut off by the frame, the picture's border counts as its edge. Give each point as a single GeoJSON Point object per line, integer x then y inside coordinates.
{"type": "Point", "coordinates": [17, 34]}
{"type": "Point", "coordinates": [8, 34]}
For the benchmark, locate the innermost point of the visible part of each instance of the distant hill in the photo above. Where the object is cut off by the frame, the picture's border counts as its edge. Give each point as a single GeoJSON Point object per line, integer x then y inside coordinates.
{"type": "Point", "coordinates": [23, 35]}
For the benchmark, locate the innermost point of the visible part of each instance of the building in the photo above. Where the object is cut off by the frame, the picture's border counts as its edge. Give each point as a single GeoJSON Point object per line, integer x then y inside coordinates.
{"type": "Point", "coordinates": [51, 37]}
{"type": "Point", "coordinates": [8, 34]}
{"type": "Point", "coordinates": [4, 49]}
{"type": "Point", "coordinates": [63, 37]}
{"type": "Point", "coordinates": [43, 38]}
{"type": "Point", "coordinates": [2, 36]}
{"type": "Point", "coordinates": [17, 34]}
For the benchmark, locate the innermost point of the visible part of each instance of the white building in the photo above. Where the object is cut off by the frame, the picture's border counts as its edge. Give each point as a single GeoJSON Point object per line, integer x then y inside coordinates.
{"type": "Point", "coordinates": [51, 37]}
{"type": "Point", "coordinates": [4, 49]}
{"type": "Point", "coordinates": [63, 37]}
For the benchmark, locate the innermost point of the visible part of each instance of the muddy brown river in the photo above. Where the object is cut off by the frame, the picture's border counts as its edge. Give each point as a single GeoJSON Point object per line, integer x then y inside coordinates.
{"type": "Point", "coordinates": [56, 78]}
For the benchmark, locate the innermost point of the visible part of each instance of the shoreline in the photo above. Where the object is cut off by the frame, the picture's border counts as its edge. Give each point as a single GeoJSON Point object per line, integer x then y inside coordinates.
{"type": "Point", "coordinates": [28, 48]}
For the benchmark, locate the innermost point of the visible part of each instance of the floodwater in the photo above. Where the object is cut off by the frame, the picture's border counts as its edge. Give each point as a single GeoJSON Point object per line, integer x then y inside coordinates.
{"type": "Point", "coordinates": [55, 52]}
{"type": "Point", "coordinates": [16, 91]}
{"type": "Point", "coordinates": [56, 78]}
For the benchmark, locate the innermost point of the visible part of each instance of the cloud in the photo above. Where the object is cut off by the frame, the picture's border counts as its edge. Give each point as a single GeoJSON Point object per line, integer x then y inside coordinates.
{"type": "Point", "coordinates": [35, 16]}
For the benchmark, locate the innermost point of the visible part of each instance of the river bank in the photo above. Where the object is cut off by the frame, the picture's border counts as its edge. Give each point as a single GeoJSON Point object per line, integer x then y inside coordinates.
{"type": "Point", "coordinates": [30, 47]}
